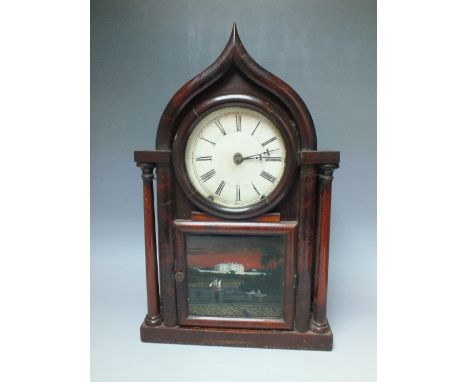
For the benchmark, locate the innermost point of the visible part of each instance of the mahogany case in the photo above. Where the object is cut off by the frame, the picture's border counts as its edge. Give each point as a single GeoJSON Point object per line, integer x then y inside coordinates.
{"type": "Point", "coordinates": [299, 210]}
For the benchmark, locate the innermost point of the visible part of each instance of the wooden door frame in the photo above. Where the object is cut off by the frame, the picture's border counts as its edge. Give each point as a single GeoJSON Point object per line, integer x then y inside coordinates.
{"type": "Point", "coordinates": [286, 229]}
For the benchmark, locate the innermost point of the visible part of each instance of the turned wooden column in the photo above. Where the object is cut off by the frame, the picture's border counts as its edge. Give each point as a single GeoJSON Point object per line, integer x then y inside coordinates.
{"type": "Point", "coordinates": [319, 322]}
{"type": "Point", "coordinates": [154, 317]}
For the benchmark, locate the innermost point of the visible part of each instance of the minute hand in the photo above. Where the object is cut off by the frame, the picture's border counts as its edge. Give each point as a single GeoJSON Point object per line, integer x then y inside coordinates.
{"type": "Point", "coordinates": [258, 155]}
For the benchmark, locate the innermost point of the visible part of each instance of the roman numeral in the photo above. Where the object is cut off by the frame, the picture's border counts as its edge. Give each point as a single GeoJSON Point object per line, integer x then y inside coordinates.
{"type": "Point", "coordinates": [269, 141]}
{"type": "Point", "coordinates": [238, 123]}
{"type": "Point", "coordinates": [267, 176]}
{"type": "Point", "coordinates": [238, 193]}
{"type": "Point", "coordinates": [255, 128]}
{"type": "Point", "coordinates": [255, 188]}
{"type": "Point", "coordinates": [220, 188]}
{"type": "Point", "coordinates": [203, 158]}
{"type": "Point", "coordinates": [208, 175]}
{"type": "Point", "coordinates": [273, 159]}
{"type": "Point", "coordinates": [214, 144]}
{"type": "Point", "coordinates": [220, 127]}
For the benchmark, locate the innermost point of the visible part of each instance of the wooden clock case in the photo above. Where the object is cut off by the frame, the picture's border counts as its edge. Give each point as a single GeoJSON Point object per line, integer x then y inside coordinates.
{"type": "Point", "coordinates": [298, 208]}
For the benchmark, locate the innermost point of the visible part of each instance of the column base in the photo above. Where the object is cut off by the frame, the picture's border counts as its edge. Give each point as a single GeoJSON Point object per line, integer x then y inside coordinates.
{"type": "Point", "coordinates": [153, 320]}
{"type": "Point", "coordinates": [319, 327]}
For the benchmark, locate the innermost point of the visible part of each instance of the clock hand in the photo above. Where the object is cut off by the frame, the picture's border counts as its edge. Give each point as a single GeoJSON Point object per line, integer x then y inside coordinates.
{"type": "Point", "coordinates": [257, 156]}
{"type": "Point", "coordinates": [238, 158]}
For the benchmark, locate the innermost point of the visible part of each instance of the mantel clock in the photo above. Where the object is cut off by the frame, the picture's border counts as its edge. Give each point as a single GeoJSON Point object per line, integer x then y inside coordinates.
{"type": "Point", "coordinates": [243, 213]}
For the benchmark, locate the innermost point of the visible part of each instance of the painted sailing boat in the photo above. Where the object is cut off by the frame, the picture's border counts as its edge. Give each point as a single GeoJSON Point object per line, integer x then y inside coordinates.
{"type": "Point", "coordinates": [216, 285]}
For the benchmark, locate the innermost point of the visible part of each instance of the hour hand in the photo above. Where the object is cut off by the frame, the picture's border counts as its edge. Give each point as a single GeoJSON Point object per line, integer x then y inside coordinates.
{"type": "Point", "coordinates": [256, 156]}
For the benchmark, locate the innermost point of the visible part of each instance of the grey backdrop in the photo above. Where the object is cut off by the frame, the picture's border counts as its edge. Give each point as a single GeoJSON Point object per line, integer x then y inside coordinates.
{"type": "Point", "coordinates": [141, 53]}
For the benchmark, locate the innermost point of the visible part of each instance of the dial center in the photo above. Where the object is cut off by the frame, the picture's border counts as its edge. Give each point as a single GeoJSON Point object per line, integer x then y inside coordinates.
{"type": "Point", "coordinates": [238, 158]}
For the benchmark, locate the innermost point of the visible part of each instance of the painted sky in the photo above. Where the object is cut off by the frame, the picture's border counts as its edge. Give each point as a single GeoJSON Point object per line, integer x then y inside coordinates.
{"type": "Point", "coordinates": [205, 251]}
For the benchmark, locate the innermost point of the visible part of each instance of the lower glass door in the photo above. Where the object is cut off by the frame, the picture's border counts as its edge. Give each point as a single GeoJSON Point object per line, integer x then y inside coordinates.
{"type": "Point", "coordinates": [235, 276]}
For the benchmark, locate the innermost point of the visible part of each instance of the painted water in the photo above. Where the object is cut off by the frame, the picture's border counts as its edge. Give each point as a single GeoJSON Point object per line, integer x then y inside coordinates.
{"type": "Point", "coordinates": [232, 295]}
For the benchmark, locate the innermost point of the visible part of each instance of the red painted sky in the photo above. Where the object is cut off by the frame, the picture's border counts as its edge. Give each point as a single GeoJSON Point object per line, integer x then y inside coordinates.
{"type": "Point", "coordinates": [205, 251]}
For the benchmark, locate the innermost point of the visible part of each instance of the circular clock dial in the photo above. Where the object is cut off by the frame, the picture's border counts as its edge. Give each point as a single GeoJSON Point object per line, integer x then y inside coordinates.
{"type": "Point", "coordinates": [235, 157]}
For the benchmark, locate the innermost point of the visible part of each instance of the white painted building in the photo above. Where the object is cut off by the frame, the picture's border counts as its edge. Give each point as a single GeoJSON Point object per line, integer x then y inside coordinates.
{"type": "Point", "coordinates": [229, 267]}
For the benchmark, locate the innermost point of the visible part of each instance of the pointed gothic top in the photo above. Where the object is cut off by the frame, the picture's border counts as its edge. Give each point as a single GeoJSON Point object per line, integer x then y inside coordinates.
{"type": "Point", "coordinates": [234, 34]}
{"type": "Point", "coordinates": [234, 47]}
{"type": "Point", "coordinates": [235, 57]}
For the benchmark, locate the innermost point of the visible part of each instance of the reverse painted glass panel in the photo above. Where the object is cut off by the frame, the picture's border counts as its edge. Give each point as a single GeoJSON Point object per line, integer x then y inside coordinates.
{"type": "Point", "coordinates": [235, 276]}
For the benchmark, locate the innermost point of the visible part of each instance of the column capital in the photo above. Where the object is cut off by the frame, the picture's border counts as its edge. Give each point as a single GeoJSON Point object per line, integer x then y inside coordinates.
{"type": "Point", "coordinates": [327, 169]}
{"type": "Point", "coordinates": [147, 171]}
{"type": "Point", "coordinates": [325, 175]}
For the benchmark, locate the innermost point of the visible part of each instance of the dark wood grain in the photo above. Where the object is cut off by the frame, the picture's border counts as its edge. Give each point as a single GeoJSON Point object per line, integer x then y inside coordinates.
{"type": "Point", "coordinates": [153, 316]}
{"type": "Point", "coordinates": [269, 339]}
{"type": "Point", "coordinates": [307, 182]}
{"type": "Point", "coordinates": [319, 322]}
{"type": "Point", "coordinates": [152, 156]}
{"type": "Point", "coordinates": [165, 240]}
{"type": "Point", "coordinates": [319, 157]}
{"type": "Point", "coordinates": [268, 218]}
{"type": "Point", "coordinates": [235, 58]}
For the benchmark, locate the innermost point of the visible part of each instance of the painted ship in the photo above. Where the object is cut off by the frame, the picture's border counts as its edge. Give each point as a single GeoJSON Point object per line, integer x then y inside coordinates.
{"type": "Point", "coordinates": [216, 285]}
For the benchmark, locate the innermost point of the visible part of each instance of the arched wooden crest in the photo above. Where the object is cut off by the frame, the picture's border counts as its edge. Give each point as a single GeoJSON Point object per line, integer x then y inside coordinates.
{"type": "Point", "coordinates": [235, 71]}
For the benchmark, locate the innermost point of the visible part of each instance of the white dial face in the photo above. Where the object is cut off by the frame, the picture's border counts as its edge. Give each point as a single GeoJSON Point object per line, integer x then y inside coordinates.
{"type": "Point", "coordinates": [235, 157]}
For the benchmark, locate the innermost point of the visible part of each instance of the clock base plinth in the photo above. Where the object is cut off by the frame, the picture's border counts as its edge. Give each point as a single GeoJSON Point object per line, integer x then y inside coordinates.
{"type": "Point", "coordinates": [270, 339]}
